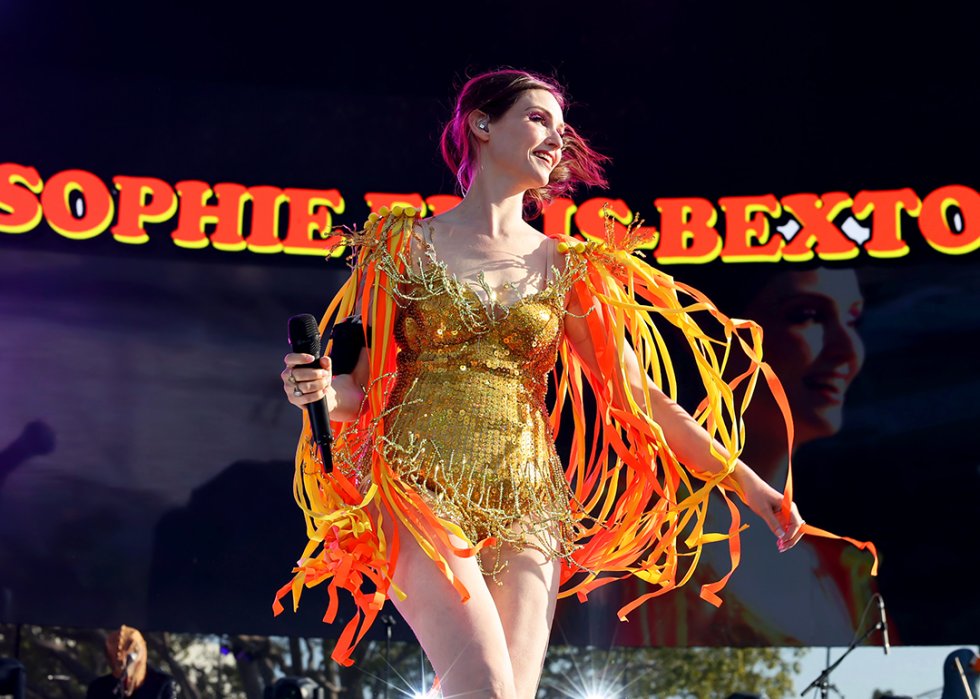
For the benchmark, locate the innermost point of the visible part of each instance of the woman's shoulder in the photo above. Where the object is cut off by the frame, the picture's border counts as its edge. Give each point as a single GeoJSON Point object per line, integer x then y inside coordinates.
{"type": "Point", "coordinates": [385, 222]}
{"type": "Point", "coordinates": [385, 231]}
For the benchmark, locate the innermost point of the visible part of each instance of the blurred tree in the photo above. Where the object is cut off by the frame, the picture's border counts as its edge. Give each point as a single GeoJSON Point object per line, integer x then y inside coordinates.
{"type": "Point", "coordinates": [658, 673]}
{"type": "Point", "coordinates": [61, 662]}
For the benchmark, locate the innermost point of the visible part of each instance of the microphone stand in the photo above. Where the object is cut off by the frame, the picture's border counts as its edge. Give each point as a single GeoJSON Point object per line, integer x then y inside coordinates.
{"type": "Point", "coordinates": [966, 682]}
{"type": "Point", "coordinates": [823, 681]}
{"type": "Point", "coordinates": [389, 621]}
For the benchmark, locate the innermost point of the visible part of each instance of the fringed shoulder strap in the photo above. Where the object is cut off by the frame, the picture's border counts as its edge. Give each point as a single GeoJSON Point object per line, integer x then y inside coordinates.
{"type": "Point", "coordinates": [345, 509]}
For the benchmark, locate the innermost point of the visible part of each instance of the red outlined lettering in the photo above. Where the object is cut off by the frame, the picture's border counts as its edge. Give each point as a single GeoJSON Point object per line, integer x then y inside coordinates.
{"type": "Point", "coordinates": [78, 205]}
{"type": "Point", "coordinates": [227, 233]}
{"type": "Point", "coordinates": [816, 215]}
{"type": "Point", "coordinates": [935, 226]}
{"type": "Point", "coordinates": [96, 204]}
{"type": "Point", "coordinates": [745, 219]}
{"type": "Point", "coordinates": [886, 229]}
{"type": "Point", "coordinates": [135, 210]}
{"type": "Point", "coordinates": [266, 204]}
{"type": "Point", "coordinates": [557, 217]}
{"type": "Point", "coordinates": [441, 203]}
{"type": "Point", "coordinates": [20, 211]}
{"type": "Point", "coordinates": [687, 231]}
{"type": "Point", "coordinates": [309, 212]}
{"type": "Point", "coordinates": [591, 223]}
{"type": "Point", "coordinates": [196, 213]}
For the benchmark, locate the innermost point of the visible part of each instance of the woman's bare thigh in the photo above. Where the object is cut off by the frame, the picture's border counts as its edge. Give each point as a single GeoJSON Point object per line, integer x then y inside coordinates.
{"type": "Point", "coordinates": [494, 645]}
{"type": "Point", "coordinates": [465, 643]}
{"type": "Point", "coordinates": [525, 599]}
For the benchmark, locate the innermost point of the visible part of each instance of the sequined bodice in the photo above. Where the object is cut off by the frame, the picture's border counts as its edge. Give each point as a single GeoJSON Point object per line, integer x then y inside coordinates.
{"type": "Point", "coordinates": [523, 343]}
{"type": "Point", "coordinates": [468, 416]}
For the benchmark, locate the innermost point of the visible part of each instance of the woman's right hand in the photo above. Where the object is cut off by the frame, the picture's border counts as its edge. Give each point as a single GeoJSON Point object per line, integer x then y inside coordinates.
{"type": "Point", "coordinates": [306, 385]}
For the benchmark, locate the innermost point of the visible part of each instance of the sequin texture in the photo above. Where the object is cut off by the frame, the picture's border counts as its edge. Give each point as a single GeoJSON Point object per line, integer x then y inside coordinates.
{"type": "Point", "coordinates": [467, 422]}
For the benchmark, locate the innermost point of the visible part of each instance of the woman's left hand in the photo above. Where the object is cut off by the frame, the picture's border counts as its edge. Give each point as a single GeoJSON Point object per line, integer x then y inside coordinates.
{"type": "Point", "coordinates": [767, 502]}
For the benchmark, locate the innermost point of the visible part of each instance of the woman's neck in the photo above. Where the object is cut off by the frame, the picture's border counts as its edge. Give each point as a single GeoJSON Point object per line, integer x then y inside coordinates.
{"type": "Point", "coordinates": [490, 207]}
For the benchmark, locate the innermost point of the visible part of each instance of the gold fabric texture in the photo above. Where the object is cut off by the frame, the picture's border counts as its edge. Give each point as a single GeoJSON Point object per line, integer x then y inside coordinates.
{"type": "Point", "coordinates": [467, 423]}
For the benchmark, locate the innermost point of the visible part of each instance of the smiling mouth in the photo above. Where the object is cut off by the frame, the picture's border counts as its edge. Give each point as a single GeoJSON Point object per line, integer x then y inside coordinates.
{"type": "Point", "coordinates": [546, 157]}
{"type": "Point", "coordinates": [833, 387]}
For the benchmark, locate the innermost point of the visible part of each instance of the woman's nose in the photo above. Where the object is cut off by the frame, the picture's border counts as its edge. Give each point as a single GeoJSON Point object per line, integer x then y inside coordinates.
{"type": "Point", "coordinates": [842, 344]}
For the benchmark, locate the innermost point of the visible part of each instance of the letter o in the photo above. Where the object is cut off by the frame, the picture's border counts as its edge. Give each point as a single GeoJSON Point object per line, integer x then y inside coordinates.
{"type": "Point", "coordinates": [934, 227]}
{"type": "Point", "coordinates": [99, 206]}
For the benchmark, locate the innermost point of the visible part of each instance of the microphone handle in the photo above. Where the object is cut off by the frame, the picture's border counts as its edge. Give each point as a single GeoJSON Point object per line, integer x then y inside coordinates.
{"type": "Point", "coordinates": [320, 423]}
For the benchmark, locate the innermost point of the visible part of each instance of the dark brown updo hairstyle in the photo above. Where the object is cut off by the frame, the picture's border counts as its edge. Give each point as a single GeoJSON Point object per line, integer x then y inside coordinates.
{"type": "Point", "coordinates": [494, 93]}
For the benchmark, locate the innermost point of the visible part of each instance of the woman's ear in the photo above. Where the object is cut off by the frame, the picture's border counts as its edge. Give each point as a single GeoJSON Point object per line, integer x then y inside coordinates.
{"type": "Point", "coordinates": [479, 124]}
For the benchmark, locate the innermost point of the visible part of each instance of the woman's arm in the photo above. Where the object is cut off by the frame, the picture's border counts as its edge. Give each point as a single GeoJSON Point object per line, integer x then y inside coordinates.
{"type": "Point", "coordinates": [691, 443]}
{"type": "Point", "coordinates": [344, 393]}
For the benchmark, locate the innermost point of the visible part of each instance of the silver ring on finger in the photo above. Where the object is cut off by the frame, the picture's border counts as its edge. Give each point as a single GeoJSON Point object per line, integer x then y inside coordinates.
{"type": "Point", "coordinates": [296, 391]}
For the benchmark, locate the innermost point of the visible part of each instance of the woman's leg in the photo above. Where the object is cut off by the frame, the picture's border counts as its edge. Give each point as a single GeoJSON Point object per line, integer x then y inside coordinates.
{"type": "Point", "coordinates": [525, 600]}
{"type": "Point", "coordinates": [466, 643]}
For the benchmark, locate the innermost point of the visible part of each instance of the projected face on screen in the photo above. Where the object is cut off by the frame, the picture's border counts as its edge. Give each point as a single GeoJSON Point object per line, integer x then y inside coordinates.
{"type": "Point", "coordinates": [811, 340]}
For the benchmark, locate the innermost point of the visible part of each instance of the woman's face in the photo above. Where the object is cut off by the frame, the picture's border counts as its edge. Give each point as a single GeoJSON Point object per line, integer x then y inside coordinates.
{"type": "Point", "coordinates": [809, 321]}
{"type": "Point", "coordinates": [524, 145]}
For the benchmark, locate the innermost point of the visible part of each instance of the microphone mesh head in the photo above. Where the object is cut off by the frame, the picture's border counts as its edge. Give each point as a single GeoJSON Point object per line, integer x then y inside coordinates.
{"type": "Point", "coordinates": [304, 334]}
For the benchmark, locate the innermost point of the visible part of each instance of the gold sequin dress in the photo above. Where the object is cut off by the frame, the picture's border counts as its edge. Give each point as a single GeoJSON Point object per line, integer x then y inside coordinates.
{"type": "Point", "coordinates": [467, 421]}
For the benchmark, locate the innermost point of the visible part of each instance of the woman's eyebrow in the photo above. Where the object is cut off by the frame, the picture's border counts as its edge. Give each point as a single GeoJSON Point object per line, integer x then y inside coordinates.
{"type": "Point", "coordinates": [547, 112]}
{"type": "Point", "coordinates": [812, 296]}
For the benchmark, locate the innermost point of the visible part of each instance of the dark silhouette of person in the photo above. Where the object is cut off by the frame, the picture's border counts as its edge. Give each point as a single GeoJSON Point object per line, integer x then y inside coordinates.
{"type": "Point", "coordinates": [36, 439]}
{"type": "Point", "coordinates": [13, 678]}
{"type": "Point", "coordinates": [218, 561]}
{"type": "Point", "coordinates": [958, 676]}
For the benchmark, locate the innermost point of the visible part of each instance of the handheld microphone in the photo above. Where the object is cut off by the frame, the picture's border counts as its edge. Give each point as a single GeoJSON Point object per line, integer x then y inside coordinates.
{"type": "Point", "coordinates": [120, 691]}
{"type": "Point", "coordinates": [884, 624]}
{"type": "Point", "coordinates": [304, 337]}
